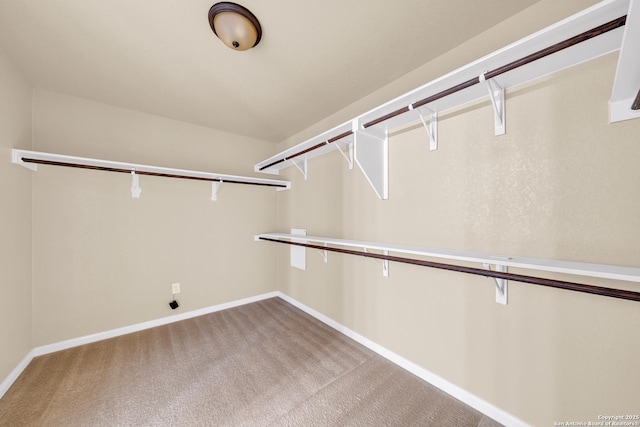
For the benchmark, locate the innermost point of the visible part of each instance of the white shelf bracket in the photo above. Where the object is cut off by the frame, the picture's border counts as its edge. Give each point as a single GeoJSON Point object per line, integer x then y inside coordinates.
{"type": "Point", "coordinates": [431, 127]}
{"type": "Point", "coordinates": [324, 254]}
{"type": "Point", "coordinates": [302, 167]}
{"type": "Point", "coordinates": [135, 185]}
{"type": "Point", "coordinates": [496, 94]}
{"type": "Point", "coordinates": [371, 153]}
{"type": "Point", "coordinates": [501, 284]}
{"type": "Point", "coordinates": [385, 262]}
{"type": "Point", "coordinates": [349, 155]}
{"type": "Point", "coordinates": [385, 265]}
{"type": "Point", "coordinates": [16, 157]}
{"type": "Point", "coordinates": [215, 186]}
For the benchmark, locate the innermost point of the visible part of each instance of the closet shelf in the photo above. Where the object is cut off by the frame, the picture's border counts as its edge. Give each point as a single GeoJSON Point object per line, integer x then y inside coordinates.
{"type": "Point", "coordinates": [30, 160]}
{"type": "Point", "coordinates": [500, 263]}
{"type": "Point", "coordinates": [606, 27]}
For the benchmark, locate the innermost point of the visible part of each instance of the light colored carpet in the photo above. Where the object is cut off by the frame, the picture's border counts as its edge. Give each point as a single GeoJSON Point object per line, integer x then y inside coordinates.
{"type": "Point", "coordinates": [261, 364]}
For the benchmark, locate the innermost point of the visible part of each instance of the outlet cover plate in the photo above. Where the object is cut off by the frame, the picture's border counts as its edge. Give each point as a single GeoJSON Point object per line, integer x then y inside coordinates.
{"type": "Point", "coordinates": [175, 288]}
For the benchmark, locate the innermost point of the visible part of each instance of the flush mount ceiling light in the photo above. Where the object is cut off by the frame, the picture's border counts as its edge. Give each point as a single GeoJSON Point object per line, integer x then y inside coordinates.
{"type": "Point", "coordinates": [235, 25]}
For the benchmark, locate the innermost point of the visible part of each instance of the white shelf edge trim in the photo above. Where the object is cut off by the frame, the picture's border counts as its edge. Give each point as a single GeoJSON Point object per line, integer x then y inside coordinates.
{"type": "Point", "coordinates": [18, 154]}
{"type": "Point", "coordinates": [585, 20]}
{"type": "Point", "coordinates": [604, 271]}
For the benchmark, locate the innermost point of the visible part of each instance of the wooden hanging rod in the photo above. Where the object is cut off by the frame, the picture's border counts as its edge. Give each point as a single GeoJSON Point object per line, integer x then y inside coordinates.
{"type": "Point", "coordinates": [578, 287]}
{"type": "Point", "coordinates": [636, 103]}
{"type": "Point", "coordinates": [299, 153]}
{"type": "Point", "coordinates": [594, 32]}
{"type": "Point", "coordinates": [141, 172]}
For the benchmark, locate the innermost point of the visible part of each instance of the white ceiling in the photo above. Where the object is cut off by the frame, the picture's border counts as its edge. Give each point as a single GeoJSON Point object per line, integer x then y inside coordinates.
{"type": "Point", "coordinates": [161, 57]}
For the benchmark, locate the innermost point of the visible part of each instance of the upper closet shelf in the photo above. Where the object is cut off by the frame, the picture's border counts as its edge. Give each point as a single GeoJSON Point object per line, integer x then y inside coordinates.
{"type": "Point", "coordinates": [30, 160]}
{"type": "Point", "coordinates": [594, 32]}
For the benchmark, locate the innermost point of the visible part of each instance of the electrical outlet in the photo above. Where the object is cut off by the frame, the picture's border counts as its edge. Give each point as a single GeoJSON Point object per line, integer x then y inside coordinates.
{"type": "Point", "coordinates": [175, 288]}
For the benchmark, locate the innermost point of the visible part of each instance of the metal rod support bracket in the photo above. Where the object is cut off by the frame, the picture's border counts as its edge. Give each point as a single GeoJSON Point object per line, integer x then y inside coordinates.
{"type": "Point", "coordinates": [324, 254]}
{"type": "Point", "coordinates": [431, 127]}
{"type": "Point", "coordinates": [501, 284]}
{"type": "Point", "coordinates": [385, 262]}
{"type": "Point", "coordinates": [385, 265]}
{"type": "Point", "coordinates": [215, 186]}
{"type": "Point", "coordinates": [302, 166]}
{"type": "Point", "coordinates": [496, 95]}
{"type": "Point", "coordinates": [135, 185]}
{"type": "Point", "coordinates": [349, 155]}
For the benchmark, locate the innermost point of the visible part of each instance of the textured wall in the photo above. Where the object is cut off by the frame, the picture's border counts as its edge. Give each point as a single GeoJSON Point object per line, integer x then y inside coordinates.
{"type": "Point", "coordinates": [103, 260]}
{"type": "Point", "coordinates": [15, 212]}
{"type": "Point", "coordinates": [562, 183]}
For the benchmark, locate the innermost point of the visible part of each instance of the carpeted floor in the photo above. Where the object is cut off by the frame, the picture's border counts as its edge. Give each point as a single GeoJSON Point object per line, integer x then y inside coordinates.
{"type": "Point", "coordinates": [261, 364]}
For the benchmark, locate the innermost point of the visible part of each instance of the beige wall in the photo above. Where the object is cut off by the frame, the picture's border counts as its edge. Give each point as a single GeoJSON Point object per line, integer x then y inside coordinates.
{"type": "Point", "coordinates": [562, 183]}
{"type": "Point", "coordinates": [15, 212]}
{"type": "Point", "coordinates": [103, 260]}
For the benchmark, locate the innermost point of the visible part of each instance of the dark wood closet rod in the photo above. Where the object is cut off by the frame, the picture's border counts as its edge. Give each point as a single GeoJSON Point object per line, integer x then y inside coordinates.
{"type": "Point", "coordinates": [594, 32]}
{"type": "Point", "coordinates": [578, 287]}
{"type": "Point", "coordinates": [636, 103]}
{"type": "Point", "coordinates": [166, 175]}
{"type": "Point", "coordinates": [322, 144]}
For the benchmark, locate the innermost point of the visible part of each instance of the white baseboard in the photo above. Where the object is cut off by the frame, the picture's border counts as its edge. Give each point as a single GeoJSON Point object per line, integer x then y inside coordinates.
{"type": "Point", "coordinates": [437, 381]}
{"type": "Point", "coordinates": [13, 375]}
{"type": "Point", "coordinates": [433, 379]}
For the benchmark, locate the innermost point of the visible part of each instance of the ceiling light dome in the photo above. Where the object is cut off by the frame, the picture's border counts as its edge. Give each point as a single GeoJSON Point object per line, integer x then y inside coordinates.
{"type": "Point", "coordinates": [235, 25]}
